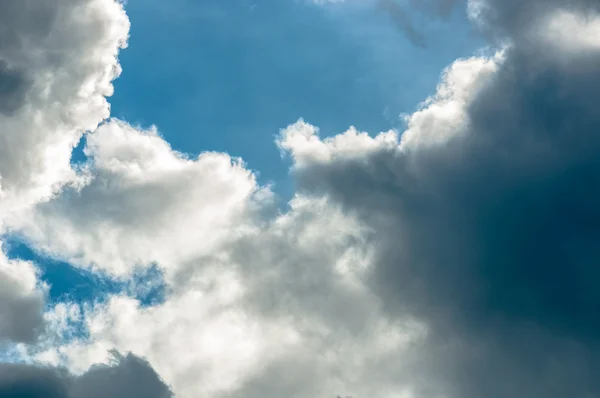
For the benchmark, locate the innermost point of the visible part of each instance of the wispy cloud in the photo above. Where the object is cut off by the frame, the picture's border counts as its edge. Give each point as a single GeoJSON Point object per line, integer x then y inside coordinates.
{"type": "Point", "coordinates": [403, 21]}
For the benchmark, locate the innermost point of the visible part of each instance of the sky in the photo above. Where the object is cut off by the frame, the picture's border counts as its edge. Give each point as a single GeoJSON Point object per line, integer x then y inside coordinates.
{"type": "Point", "coordinates": [303, 199]}
{"type": "Point", "coordinates": [242, 70]}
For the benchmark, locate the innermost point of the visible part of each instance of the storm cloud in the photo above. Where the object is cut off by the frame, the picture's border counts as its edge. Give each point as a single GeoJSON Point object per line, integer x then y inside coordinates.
{"type": "Point", "coordinates": [127, 377]}
{"type": "Point", "coordinates": [491, 233]}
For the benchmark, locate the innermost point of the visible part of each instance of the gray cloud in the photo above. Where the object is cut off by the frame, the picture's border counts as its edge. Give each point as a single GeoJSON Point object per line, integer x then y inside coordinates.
{"type": "Point", "coordinates": [23, 21]}
{"type": "Point", "coordinates": [492, 238]}
{"type": "Point", "coordinates": [21, 301]}
{"type": "Point", "coordinates": [20, 316]}
{"type": "Point", "coordinates": [128, 377]}
{"type": "Point", "coordinates": [22, 25]}
{"type": "Point", "coordinates": [13, 87]}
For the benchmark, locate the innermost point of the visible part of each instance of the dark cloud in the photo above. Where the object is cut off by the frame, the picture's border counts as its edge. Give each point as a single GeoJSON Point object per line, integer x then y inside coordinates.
{"type": "Point", "coordinates": [21, 307]}
{"type": "Point", "coordinates": [14, 85]}
{"type": "Point", "coordinates": [493, 238]}
{"type": "Point", "coordinates": [20, 316]}
{"type": "Point", "coordinates": [128, 377]}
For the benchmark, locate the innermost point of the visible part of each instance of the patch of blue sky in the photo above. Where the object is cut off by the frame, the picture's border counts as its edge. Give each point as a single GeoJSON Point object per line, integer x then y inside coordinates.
{"type": "Point", "coordinates": [11, 353]}
{"type": "Point", "coordinates": [74, 284]}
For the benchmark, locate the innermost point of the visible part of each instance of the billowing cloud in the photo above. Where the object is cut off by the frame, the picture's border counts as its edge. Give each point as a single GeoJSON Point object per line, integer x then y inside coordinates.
{"type": "Point", "coordinates": [57, 61]}
{"type": "Point", "coordinates": [250, 291]}
{"type": "Point", "coordinates": [126, 377]}
{"type": "Point", "coordinates": [486, 214]}
{"type": "Point", "coordinates": [145, 203]}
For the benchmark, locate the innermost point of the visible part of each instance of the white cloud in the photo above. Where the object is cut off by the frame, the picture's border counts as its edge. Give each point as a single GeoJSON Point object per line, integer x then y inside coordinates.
{"type": "Point", "coordinates": [57, 63]}
{"type": "Point", "coordinates": [445, 114]}
{"type": "Point", "coordinates": [302, 141]}
{"type": "Point", "coordinates": [247, 292]}
{"type": "Point", "coordinates": [144, 203]}
{"type": "Point", "coordinates": [571, 31]}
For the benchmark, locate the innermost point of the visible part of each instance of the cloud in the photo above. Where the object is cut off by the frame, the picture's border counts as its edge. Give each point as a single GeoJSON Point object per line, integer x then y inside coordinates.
{"type": "Point", "coordinates": [126, 377]}
{"type": "Point", "coordinates": [456, 259]}
{"type": "Point", "coordinates": [21, 301]}
{"type": "Point", "coordinates": [144, 203]}
{"type": "Point", "coordinates": [248, 290]}
{"type": "Point", "coordinates": [13, 86]}
{"type": "Point", "coordinates": [57, 61]}
{"type": "Point", "coordinates": [486, 214]}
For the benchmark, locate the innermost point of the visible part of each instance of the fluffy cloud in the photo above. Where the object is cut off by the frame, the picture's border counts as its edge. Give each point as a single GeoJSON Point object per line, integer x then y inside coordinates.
{"type": "Point", "coordinates": [144, 203]}
{"type": "Point", "coordinates": [126, 377]}
{"type": "Point", "coordinates": [249, 294]}
{"type": "Point", "coordinates": [57, 61]}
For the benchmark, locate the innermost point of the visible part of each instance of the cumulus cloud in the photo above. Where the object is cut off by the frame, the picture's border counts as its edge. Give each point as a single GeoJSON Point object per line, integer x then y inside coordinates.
{"type": "Point", "coordinates": [457, 259]}
{"type": "Point", "coordinates": [126, 377]}
{"type": "Point", "coordinates": [144, 203]}
{"type": "Point", "coordinates": [487, 233]}
{"type": "Point", "coordinates": [250, 291]}
{"type": "Point", "coordinates": [57, 61]}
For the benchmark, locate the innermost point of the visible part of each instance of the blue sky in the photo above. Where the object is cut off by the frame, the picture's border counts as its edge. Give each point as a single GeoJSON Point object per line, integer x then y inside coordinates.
{"type": "Point", "coordinates": [228, 75]}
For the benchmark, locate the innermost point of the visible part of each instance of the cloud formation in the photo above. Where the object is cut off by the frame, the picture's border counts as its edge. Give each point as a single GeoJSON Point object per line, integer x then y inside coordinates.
{"type": "Point", "coordinates": [57, 61]}
{"type": "Point", "coordinates": [126, 377]}
{"type": "Point", "coordinates": [486, 213]}
{"type": "Point", "coordinates": [250, 291]}
{"type": "Point", "coordinates": [457, 259]}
